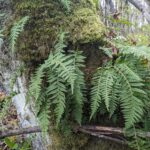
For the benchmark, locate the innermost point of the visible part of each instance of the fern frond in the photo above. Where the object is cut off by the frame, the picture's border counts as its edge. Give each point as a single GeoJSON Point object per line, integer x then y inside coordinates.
{"type": "Point", "coordinates": [96, 98]}
{"type": "Point", "coordinates": [44, 117]}
{"type": "Point", "coordinates": [107, 86]}
{"type": "Point", "coordinates": [16, 30]}
{"type": "Point", "coordinates": [141, 52]}
{"type": "Point", "coordinates": [79, 85]}
{"type": "Point", "coordinates": [64, 68]}
{"type": "Point", "coordinates": [66, 4]}
{"type": "Point", "coordinates": [115, 97]}
{"type": "Point", "coordinates": [56, 93]}
{"type": "Point", "coordinates": [131, 104]}
{"type": "Point", "coordinates": [36, 82]}
{"type": "Point", "coordinates": [60, 45]}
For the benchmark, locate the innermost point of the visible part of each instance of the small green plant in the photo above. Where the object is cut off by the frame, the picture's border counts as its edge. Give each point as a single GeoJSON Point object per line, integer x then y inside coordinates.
{"type": "Point", "coordinates": [17, 28]}
{"type": "Point", "coordinates": [13, 145]}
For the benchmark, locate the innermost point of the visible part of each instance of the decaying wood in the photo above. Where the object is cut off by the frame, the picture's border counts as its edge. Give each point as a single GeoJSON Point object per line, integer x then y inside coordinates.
{"type": "Point", "coordinates": [106, 133]}
{"type": "Point", "coordinates": [112, 130]}
{"type": "Point", "coordinates": [9, 133]}
{"type": "Point", "coordinates": [104, 129]}
{"type": "Point", "coordinates": [105, 137]}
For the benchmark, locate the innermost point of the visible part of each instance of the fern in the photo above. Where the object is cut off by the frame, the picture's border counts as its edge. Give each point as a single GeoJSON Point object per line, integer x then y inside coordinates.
{"type": "Point", "coordinates": [58, 73]}
{"type": "Point", "coordinates": [122, 82]}
{"type": "Point", "coordinates": [107, 86]}
{"type": "Point", "coordinates": [36, 82]}
{"type": "Point", "coordinates": [132, 106]}
{"type": "Point", "coordinates": [66, 4]}
{"type": "Point", "coordinates": [44, 117]}
{"type": "Point", "coordinates": [17, 28]}
{"type": "Point", "coordinates": [56, 93]}
{"type": "Point", "coordinates": [96, 92]}
{"type": "Point", "coordinates": [137, 51]}
{"type": "Point", "coordinates": [79, 86]}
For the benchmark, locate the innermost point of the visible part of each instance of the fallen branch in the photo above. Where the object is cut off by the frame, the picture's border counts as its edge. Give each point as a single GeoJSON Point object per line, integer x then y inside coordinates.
{"type": "Point", "coordinates": [9, 133]}
{"type": "Point", "coordinates": [104, 129]}
{"type": "Point", "coordinates": [111, 130]}
{"type": "Point", "coordinates": [119, 141]}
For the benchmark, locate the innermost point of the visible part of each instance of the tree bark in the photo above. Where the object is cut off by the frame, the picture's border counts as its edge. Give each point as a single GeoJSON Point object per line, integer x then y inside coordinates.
{"type": "Point", "coordinates": [145, 9]}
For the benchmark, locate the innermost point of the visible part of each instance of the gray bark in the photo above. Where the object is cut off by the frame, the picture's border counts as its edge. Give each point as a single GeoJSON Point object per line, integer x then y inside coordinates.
{"type": "Point", "coordinates": [145, 9]}
{"type": "Point", "coordinates": [112, 7]}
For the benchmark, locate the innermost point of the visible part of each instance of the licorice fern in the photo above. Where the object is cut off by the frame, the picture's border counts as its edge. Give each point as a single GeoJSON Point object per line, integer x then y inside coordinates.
{"type": "Point", "coordinates": [58, 73]}
{"type": "Point", "coordinates": [17, 28]}
{"type": "Point", "coordinates": [122, 82]}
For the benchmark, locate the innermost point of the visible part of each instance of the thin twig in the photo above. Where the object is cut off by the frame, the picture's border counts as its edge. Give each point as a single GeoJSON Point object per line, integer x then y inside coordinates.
{"type": "Point", "coordinates": [8, 133]}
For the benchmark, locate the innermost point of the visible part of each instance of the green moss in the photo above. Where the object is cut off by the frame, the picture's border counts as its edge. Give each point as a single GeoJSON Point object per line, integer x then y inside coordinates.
{"type": "Point", "coordinates": [48, 18]}
{"type": "Point", "coordinates": [71, 142]}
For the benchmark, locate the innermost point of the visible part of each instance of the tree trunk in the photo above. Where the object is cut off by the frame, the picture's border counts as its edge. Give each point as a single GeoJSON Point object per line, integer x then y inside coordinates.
{"type": "Point", "coordinates": [143, 7]}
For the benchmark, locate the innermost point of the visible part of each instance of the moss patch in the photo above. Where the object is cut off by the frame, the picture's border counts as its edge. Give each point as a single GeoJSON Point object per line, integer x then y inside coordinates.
{"type": "Point", "coordinates": [48, 18]}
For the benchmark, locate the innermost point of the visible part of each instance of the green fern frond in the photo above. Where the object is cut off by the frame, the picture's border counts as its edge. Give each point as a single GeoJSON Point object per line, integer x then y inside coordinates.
{"type": "Point", "coordinates": [96, 98]}
{"type": "Point", "coordinates": [16, 30]}
{"type": "Point", "coordinates": [107, 86]}
{"type": "Point", "coordinates": [141, 52]}
{"type": "Point", "coordinates": [66, 4]}
{"type": "Point", "coordinates": [60, 45]}
{"type": "Point", "coordinates": [36, 82]}
{"type": "Point", "coordinates": [115, 97]}
{"type": "Point", "coordinates": [56, 93]}
{"type": "Point", "coordinates": [131, 104]}
{"type": "Point", "coordinates": [44, 117]}
{"type": "Point", "coordinates": [64, 68]}
{"type": "Point", "coordinates": [79, 86]}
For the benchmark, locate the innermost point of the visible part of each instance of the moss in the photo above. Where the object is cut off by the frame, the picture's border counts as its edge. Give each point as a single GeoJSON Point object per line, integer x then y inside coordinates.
{"type": "Point", "coordinates": [48, 18]}
{"type": "Point", "coordinates": [97, 144]}
{"type": "Point", "coordinates": [69, 142]}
